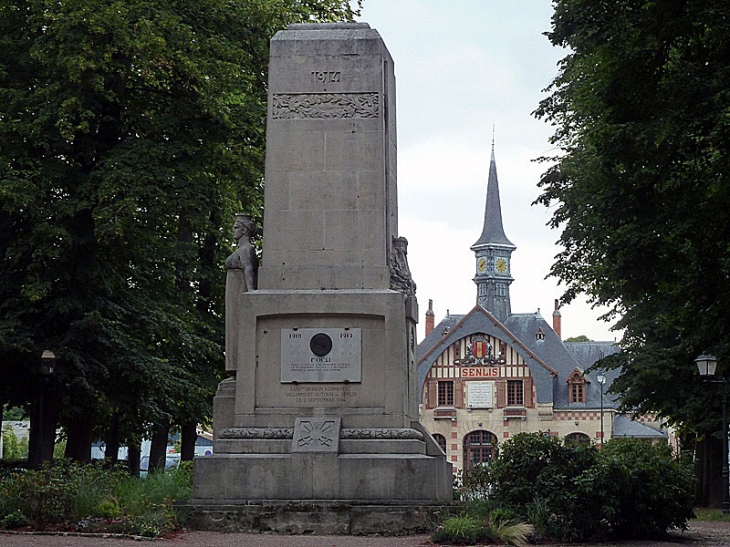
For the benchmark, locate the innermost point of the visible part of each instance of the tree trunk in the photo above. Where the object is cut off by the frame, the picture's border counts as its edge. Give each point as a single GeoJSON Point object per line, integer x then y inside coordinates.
{"type": "Point", "coordinates": [158, 448]}
{"type": "Point", "coordinates": [78, 444]}
{"type": "Point", "coordinates": [708, 470]}
{"type": "Point", "coordinates": [113, 441]}
{"type": "Point", "coordinates": [134, 454]}
{"type": "Point", "coordinates": [188, 436]}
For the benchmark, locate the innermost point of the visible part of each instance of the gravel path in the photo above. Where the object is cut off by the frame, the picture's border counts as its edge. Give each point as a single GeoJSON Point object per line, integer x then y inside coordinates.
{"type": "Point", "coordinates": [700, 534]}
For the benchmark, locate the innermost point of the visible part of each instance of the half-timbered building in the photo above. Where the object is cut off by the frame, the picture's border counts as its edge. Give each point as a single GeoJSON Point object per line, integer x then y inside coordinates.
{"type": "Point", "coordinates": [490, 373]}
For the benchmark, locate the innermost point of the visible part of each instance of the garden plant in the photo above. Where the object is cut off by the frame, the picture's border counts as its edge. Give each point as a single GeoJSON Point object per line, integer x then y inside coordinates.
{"type": "Point", "coordinates": [541, 488]}
{"type": "Point", "coordinates": [94, 498]}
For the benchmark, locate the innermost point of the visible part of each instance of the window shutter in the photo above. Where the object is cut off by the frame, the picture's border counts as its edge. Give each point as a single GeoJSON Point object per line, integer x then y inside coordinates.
{"type": "Point", "coordinates": [529, 396]}
{"type": "Point", "coordinates": [459, 394]}
{"type": "Point", "coordinates": [432, 395]}
{"type": "Point", "coordinates": [501, 393]}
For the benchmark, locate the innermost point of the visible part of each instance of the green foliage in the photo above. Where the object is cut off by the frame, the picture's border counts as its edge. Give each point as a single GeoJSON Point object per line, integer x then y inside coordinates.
{"type": "Point", "coordinates": [13, 414]}
{"type": "Point", "coordinates": [580, 338]}
{"type": "Point", "coordinates": [16, 519]}
{"type": "Point", "coordinates": [537, 472]}
{"type": "Point", "coordinates": [59, 449]}
{"type": "Point", "coordinates": [711, 515]}
{"type": "Point", "coordinates": [23, 446]}
{"type": "Point", "coordinates": [475, 482]}
{"type": "Point", "coordinates": [644, 492]}
{"type": "Point", "coordinates": [468, 529]}
{"type": "Point", "coordinates": [130, 133]}
{"type": "Point", "coordinates": [629, 489]}
{"type": "Point", "coordinates": [11, 446]}
{"type": "Point", "coordinates": [640, 108]}
{"type": "Point", "coordinates": [461, 530]}
{"type": "Point", "coordinates": [96, 498]}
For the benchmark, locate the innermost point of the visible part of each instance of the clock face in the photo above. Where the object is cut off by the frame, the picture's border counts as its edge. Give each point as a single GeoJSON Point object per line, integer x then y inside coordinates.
{"type": "Point", "coordinates": [501, 265]}
{"type": "Point", "coordinates": [481, 264]}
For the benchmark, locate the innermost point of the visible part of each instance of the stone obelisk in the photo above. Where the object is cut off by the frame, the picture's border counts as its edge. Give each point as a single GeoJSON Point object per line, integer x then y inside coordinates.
{"type": "Point", "coordinates": [323, 409]}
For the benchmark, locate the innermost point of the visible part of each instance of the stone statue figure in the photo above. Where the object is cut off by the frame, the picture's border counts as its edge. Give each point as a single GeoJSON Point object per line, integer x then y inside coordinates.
{"type": "Point", "coordinates": [242, 270]}
{"type": "Point", "coordinates": [400, 273]}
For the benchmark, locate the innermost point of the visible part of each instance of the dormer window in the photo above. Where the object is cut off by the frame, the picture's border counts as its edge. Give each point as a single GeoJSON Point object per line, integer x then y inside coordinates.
{"type": "Point", "coordinates": [577, 387]}
{"type": "Point", "coordinates": [540, 335]}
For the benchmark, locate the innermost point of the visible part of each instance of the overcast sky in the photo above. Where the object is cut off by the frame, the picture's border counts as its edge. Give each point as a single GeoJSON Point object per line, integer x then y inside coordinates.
{"type": "Point", "coordinates": [463, 67]}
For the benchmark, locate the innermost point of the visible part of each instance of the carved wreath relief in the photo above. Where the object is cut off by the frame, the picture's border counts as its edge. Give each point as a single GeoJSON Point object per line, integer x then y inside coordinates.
{"type": "Point", "coordinates": [303, 106]}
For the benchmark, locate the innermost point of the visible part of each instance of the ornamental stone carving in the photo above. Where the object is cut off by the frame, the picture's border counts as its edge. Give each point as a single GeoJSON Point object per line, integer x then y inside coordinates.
{"type": "Point", "coordinates": [303, 106]}
{"type": "Point", "coordinates": [257, 433]}
{"type": "Point", "coordinates": [400, 272]}
{"type": "Point", "coordinates": [398, 433]}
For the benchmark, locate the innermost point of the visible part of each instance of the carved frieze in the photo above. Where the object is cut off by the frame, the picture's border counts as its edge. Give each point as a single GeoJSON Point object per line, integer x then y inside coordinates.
{"type": "Point", "coordinates": [303, 106]}
{"type": "Point", "coordinates": [381, 433]}
{"type": "Point", "coordinates": [257, 433]}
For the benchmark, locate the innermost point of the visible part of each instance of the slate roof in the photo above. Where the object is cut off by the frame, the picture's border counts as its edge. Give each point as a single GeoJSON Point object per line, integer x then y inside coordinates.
{"type": "Point", "coordinates": [623, 426]}
{"type": "Point", "coordinates": [493, 231]}
{"type": "Point", "coordinates": [551, 361]}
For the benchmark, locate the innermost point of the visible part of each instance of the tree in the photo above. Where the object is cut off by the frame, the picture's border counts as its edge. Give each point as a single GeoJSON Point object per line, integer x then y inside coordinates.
{"type": "Point", "coordinates": [130, 132]}
{"type": "Point", "coordinates": [641, 108]}
{"type": "Point", "coordinates": [579, 338]}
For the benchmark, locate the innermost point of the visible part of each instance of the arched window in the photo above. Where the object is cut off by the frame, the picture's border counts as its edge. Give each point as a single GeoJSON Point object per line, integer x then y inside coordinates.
{"type": "Point", "coordinates": [441, 440]}
{"type": "Point", "coordinates": [479, 447]}
{"type": "Point", "coordinates": [577, 438]}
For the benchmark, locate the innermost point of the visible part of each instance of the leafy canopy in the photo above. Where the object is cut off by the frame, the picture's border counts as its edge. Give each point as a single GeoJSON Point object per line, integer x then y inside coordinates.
{"type": "Point", "coordinates": [130, 133]}
{"type": "Point", "coordinates": [641, 107]}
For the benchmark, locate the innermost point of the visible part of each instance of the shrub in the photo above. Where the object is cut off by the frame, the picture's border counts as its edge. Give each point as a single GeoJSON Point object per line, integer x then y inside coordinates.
{"type": "Point", "coordinates": [644, 491]}
{"type": "Point", "coordinates": [534, 475]}
{"type": "Point", "coordinates": [628, 490]}
{"type": "Point", "coordinates": [16, 519]}
{"type": "Point", "coordinates": [95, 497]}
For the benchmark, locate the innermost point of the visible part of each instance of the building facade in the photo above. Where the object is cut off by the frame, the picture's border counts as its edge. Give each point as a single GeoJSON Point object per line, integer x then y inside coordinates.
{"type": "Point", "coordinates": [490, 374]}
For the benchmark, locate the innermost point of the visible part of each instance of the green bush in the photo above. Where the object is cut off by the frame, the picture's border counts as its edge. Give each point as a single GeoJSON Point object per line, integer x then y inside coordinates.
{"type": "Point", "coordinates": [534, 476]}
{"type": "Point", "coordinates": [575, 492]}
{"type": "Point", "coordinates": [16, 519]}
{"type": "Point", "coordinates": [95, 497]}
{"type": "Point", "coordinates": [644, 491]}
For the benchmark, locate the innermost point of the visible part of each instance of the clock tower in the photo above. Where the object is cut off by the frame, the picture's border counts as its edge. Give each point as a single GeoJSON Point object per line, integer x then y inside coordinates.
{"type": "Point", "coordinates": [493, 253]}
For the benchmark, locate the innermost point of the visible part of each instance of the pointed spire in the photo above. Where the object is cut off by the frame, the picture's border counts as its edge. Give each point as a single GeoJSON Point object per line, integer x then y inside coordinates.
{"type": "Point", "coordinates": [493, 231]}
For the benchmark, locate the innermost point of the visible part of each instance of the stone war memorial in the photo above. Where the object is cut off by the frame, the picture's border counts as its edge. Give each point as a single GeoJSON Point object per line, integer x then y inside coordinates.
{"type": "Point", "coordinates": [317, 430]}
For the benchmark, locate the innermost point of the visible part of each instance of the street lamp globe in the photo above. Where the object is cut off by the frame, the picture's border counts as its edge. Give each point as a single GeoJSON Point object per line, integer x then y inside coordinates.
{"type": "Point", "coordinates": [48, 362]}
{"type": "Point", "coordinates": [706, 364]}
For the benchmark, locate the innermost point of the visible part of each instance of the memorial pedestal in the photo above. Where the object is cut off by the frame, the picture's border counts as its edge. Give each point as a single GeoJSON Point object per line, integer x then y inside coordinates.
{"type": "Point", "coordinates": [319, 429]}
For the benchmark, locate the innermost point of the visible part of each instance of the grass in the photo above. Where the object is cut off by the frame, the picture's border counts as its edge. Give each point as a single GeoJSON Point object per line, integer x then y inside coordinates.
{"type": "Point", "coordinates": [706, 514]}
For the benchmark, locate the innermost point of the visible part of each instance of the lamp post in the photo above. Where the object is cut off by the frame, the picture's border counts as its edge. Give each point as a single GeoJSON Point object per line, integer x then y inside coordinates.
{"type": "Point", "coordinates": [47, 365]}
{"type": "Point", "coordinates": [601, 377]}
{"type": "Point", "coordinates": [707, 365]}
